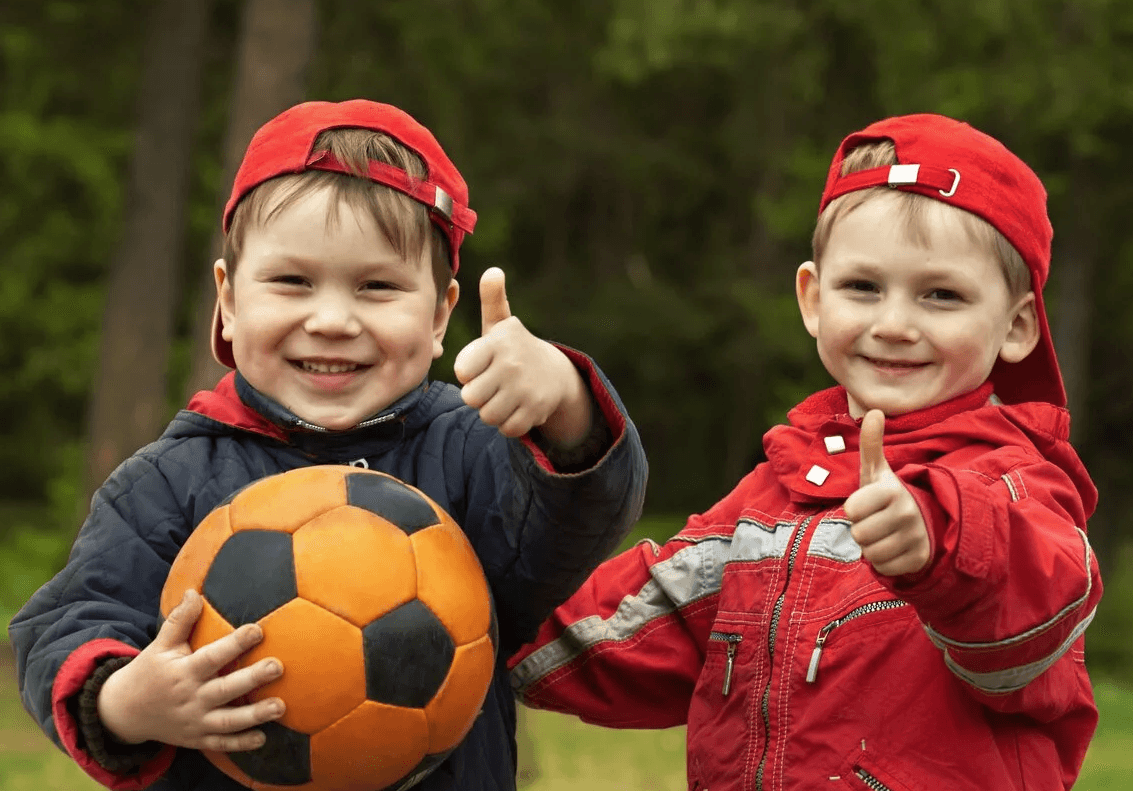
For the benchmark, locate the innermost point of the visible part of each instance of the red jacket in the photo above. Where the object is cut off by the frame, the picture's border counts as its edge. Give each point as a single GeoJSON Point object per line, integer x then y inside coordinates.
{"type": "Point", "coordinates": [796, 666]}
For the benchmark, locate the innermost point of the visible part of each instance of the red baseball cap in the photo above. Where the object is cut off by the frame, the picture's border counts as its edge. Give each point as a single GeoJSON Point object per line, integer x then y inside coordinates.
{"type": "Point", "coordinates": [951, 161]}
{"type": "Point", "coordinates": [283, 146]}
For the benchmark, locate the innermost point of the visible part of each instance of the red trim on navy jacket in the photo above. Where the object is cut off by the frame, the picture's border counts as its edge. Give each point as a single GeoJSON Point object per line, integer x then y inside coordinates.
{"type": "Point", "coordinates": [223, 404]}
{"type": "Point", "coordinates": [605, 401]}
{"type": "Point", "coordinates": [73, 673]}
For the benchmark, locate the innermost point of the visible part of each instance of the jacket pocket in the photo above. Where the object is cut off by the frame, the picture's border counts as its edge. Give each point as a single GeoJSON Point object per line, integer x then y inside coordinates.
{"type": "Point", "coordinates": [873, 769]}
{"type": "Point", "coordinates": [826, 631]}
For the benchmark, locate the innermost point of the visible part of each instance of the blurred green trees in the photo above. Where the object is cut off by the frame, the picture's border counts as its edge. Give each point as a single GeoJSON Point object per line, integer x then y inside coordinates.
{"type": "Point", "coordinates": [646, 172]}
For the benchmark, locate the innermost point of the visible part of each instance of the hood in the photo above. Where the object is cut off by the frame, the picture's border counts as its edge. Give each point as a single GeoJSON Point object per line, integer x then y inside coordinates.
{"type": "Point", "coordinates": [966, 427]}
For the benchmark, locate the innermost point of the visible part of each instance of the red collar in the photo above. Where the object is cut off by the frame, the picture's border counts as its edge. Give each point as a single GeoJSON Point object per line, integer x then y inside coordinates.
{"type": "Point", "coordinates": [223, 404]}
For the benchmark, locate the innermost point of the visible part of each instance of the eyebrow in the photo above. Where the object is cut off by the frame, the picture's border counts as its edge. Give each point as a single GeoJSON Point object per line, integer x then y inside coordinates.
{"type": "Point", "coordinates": [392, 262]}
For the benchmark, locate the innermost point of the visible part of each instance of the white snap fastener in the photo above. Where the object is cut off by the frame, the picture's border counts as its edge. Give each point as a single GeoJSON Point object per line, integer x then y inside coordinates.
{"type": "Point", "coordinates": [817, 475]}
{"type": "Point", "coordinates": [835, 444]}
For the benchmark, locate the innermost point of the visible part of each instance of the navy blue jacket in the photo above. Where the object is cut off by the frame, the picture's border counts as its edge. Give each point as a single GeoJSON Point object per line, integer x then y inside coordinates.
{"type": "Point", "coordinates": [538, 534]}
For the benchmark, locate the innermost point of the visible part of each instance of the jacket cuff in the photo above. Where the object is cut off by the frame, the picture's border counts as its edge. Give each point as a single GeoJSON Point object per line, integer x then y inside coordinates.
{"type": "Point", "coordinates": [70, 680]}
{"type": "Point", "coordinates": [607, 427]}
{"type": "Point", "coordinates": [587, 453]}
{"type": "Point", "coordinates": [111, 754]}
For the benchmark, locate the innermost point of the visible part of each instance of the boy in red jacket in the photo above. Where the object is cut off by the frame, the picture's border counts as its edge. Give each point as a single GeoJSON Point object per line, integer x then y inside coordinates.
{"type": "Point", "coordinates": [896, 598]}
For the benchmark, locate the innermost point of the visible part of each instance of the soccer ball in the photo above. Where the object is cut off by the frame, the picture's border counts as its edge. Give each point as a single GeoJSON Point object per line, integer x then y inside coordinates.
{"type": "Point", "coordinates": [374, 601]}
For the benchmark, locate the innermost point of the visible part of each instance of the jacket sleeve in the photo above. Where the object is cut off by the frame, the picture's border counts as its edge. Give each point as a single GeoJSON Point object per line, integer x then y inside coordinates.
{"type": "Point", "coordinates": [103, 604]}
{"type": "Point", "coordinates": [626, 650]}
{"type": "Point", "coordinates": [540, 532]}
{"type": "Point", "coordinates": [1013, 583]}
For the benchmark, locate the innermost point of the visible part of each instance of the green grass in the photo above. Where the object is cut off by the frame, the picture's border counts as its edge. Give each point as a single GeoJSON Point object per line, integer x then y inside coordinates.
{"type": "Point", "coordinates": [569, 754]}
{"type": "Point", "coordinates": [559, 753]}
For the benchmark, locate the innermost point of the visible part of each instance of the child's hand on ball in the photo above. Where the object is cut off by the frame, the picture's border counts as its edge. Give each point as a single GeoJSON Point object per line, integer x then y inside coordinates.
{"type": "Point", "coordinates": [172, 694]}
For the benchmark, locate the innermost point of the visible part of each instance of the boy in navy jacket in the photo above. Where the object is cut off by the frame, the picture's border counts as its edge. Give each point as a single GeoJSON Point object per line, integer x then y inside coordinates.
{"type": "Point", "coordinates": [334, 293]}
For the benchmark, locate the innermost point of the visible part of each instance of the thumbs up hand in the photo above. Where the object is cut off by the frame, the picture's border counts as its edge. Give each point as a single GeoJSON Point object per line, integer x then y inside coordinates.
{"type": "Point", "coordinates": [517, 381]}
{"type": "Point", "coordinates": [887, 523]}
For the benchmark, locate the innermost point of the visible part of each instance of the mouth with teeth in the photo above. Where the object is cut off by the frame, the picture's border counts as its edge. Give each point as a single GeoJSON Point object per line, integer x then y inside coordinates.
{"type": "Point", "coordinates": [894, 364]}
{"type": "Point", "coordinates": [318, 367]}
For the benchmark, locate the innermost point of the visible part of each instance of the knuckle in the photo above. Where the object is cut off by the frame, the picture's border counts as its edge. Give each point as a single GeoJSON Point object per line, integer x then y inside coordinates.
{"type": "Point", "coordinates": [226, 721]}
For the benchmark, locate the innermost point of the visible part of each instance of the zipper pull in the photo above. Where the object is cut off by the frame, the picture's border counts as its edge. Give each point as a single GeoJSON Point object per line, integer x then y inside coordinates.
{"type": "Point", "coordinates": [733, 641]}
{"type": "Point", "coordinates": [812, 669]}
{"type": "Point", "coordinates": [728, 667]}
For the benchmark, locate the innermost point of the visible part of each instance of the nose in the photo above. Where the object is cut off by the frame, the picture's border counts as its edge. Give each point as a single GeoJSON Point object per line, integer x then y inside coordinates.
{"type": "Point", "coordinates": [895, 321]}
{"type": "Point", "coordinates": [332, 315]}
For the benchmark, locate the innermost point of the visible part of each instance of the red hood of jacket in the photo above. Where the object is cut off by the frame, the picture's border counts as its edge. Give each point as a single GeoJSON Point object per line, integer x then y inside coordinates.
{"type": "Point", "coordinates": [967, 424]}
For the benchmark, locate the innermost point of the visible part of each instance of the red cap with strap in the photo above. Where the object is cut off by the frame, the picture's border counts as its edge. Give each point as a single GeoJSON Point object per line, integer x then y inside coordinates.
{"type": "Point", "coordinates": [283, 146]}
{"type": "Point", "coordinates": [951, 161]}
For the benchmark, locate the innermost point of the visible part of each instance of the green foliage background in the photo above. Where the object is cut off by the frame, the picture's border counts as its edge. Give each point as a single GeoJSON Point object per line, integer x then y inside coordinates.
{"type": "Point", "coordinates": [646, 171]}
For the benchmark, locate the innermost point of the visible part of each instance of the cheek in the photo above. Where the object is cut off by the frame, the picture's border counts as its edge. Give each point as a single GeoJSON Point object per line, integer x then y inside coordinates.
{"type": "Point", "coordinates": [838, 328]}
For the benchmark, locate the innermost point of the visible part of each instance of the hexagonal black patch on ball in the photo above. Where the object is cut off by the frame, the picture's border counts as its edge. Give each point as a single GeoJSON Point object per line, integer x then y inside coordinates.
{"type": "Point", "coordinates": [251, 575]}
{"type": "Point", "coordinates": [408, 653]}
{"type": "Point", "coordinates": [391, 500]}
{"type": "Point", "coordinates": [284, 760]}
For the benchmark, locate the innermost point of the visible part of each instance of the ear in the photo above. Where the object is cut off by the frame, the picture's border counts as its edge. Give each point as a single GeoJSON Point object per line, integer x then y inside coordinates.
{"type": "Point", "coordinates": [225, 298]}
{"type": "Point", "coordinates": [441, 316]}
{"type": "Point", "coordinates": [806, 289]}
{"type": "Point", "coordinates": [1022, 332]}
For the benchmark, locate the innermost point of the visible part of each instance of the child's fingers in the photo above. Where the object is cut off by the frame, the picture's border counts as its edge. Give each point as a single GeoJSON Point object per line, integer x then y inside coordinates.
{"type": "Point", "coordinates": [472, 361]}
{"type": "Point", "coordinates": [867, 501]}
{"type": "Point", "coordinates": [179, 625]}
{"type": "Point", "coordinates": [208, 660]}
{"type": "Point", "coordinates": [499, 407]}
{"type": "Point", "coordinates": [494, 306]}
{"type": "Point", "coordinates": [226, 688]}
{"type": "Point", "coordinates": [892, 557]}
{"type": "Point", "coordinates": [872, 529]}
{"type": "Point", "coordinates": [232, 742]}
{"type": "Point", "coordinates": [236, 719]}
{"type": "Point", "coordinates": [871, 446]}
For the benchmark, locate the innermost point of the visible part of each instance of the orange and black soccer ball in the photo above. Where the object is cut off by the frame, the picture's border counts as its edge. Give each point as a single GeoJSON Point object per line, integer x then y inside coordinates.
{"type": "Point", "coordinates": [374, 601]}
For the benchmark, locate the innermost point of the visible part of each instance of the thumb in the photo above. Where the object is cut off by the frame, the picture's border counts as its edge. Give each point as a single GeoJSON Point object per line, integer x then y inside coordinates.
{"type": "Point", "coordinates": [871, 447]}
{"type": "Point", "coordinates": [493, 299]}
{"type": "Point", "coordinates": [182, 618]}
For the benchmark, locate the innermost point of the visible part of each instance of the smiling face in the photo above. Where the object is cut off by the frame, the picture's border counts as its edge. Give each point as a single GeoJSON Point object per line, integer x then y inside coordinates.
{"type": "Point", "coordinates": [905, 325]}
{"type": "Point", "coordinates": [326, 317]}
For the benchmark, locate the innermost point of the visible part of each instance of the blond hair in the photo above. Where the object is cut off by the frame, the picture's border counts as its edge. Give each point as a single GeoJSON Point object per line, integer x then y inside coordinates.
{"type": "Point", "coordinates": [402, 220]}
{"type": "Point", "coordinates": [913, 207]}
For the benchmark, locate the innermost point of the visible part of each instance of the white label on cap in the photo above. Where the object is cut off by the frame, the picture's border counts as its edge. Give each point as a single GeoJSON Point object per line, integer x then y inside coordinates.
{"type": "Point", "coordinates": [903, 174]}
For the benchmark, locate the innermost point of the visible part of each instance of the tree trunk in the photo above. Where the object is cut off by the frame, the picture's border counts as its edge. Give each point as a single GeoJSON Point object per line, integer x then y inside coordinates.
{"type": "Point", "coordinates": [1073, 270]}
{"type": "Point", "coordinates": [127, 405]}
{"type": "Point", "coordinates": [276, 44]}
{"type": "Point", "coordinates": [1076, 253]}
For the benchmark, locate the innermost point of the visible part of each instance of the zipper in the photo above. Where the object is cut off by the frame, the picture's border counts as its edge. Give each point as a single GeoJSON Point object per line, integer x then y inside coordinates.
{"type": "Point", "coordinates": [870, 780]}
{"type": "Point", "coordinates": [776, 613]}
{"type": "Point", "coordinates": [374, 421]}
{"type": "Point", "coordinates": [733, 641]}
{"type": "Point", "coordinates": [824, 632]}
